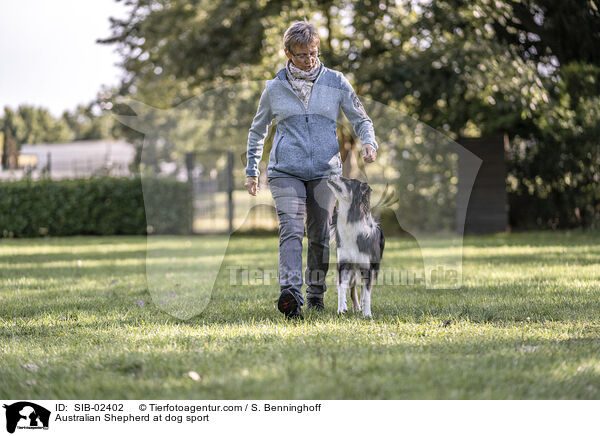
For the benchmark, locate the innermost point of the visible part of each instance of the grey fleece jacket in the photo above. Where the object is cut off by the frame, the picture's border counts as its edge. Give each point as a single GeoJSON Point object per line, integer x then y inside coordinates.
{"type": "Point", "coordinates": [305, 144]}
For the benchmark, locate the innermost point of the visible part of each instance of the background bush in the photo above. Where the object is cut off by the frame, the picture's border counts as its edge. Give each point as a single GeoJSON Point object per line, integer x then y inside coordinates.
{"type": "Point", "coordinates": [95, 206]}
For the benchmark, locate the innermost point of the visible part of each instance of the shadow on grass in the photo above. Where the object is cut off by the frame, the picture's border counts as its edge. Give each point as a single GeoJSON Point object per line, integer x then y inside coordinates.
{"type": "Point", "coordinates": [326, 364]}
{"type": "Point", "coordinates": [230, 304]}
{"type": "Point", "coordinates": [259, 305]}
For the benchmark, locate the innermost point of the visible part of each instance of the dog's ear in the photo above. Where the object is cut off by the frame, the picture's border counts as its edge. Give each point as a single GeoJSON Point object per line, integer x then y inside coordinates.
{"type": "Point", "coordinates": [365, 190]}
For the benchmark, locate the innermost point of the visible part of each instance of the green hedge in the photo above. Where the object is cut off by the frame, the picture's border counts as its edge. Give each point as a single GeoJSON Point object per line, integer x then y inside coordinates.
{"type": "Point", "coordinates": [95, 206]}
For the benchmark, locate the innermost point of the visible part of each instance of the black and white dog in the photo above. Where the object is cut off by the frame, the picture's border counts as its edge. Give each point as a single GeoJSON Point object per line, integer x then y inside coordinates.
{"type": "Point", "coordinates": [359, 240]}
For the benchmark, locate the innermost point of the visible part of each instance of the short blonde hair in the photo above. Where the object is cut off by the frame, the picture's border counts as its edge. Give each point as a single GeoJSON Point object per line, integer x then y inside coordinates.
{"type": "Point", "coordinates": [300, 33]}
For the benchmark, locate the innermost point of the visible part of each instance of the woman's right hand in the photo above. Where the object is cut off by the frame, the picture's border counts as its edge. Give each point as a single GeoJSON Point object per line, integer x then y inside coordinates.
{"type": "Point", "coordinates": [252, 185]}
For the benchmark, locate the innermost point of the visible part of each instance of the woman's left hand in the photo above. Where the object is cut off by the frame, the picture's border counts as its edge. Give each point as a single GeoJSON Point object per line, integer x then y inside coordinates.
{"type": "Point", "coordinates": [369, 153]}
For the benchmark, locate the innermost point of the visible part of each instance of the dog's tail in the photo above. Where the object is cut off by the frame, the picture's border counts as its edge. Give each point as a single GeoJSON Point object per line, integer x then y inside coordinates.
{"type": "Point", "coordinates": [388, 198]}
{"type": "Point", "coordinates": [376, 262]}
{"type": "Point", "coordinates": [381, 241]}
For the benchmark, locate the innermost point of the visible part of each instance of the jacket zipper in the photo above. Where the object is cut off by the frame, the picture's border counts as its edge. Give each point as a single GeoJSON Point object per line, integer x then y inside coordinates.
{"type": "Point", "coordinates": [306, 112]}
{"type": "Point", "coordinates": [312, 163]}
{"type": "Point", "coordinates": [277, 148]}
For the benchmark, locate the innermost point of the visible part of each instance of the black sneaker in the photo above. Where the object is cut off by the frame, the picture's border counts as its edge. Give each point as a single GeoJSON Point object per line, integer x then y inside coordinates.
{"type": "Point", "coordinates": [288, 305]}
{"type": "Point", "coordinates": [315, 303]}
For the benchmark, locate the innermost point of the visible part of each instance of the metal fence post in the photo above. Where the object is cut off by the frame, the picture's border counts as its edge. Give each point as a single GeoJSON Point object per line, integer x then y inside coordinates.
{"type": "Point", "coordinates": [189, 164]}
{"type": "Point", "coordinates": [230, 189]}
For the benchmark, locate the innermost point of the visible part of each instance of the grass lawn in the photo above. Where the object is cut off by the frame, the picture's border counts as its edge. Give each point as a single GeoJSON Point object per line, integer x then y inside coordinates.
{"type": "Point", "coordinates": [77, 320]}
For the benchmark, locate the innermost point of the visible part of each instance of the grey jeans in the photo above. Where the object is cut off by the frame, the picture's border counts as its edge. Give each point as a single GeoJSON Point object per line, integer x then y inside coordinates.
{"type": "Point", "coordinates": [295, 200]}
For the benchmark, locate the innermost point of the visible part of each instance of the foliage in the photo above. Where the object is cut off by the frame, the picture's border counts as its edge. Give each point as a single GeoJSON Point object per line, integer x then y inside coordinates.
{"type": "Point", "coordinates": [29, 125]}
{"type": "Point", "coordinates": [86, 124]}
{"type": "Point", "coordinates": [544, 95]}
{"type": "Point", "coordinates": [466, 68]}
{"type": "Point", "coordinates": [95, 206]}
{"type": "Point", "coordinates": [555, 171]}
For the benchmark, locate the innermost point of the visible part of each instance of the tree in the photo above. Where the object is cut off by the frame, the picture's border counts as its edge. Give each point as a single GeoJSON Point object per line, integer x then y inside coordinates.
{"type": "Point", "coordinates": [466, 68]}
{"type": "Point", "coordinates": [28, 125]}
{"type": "Point", "coordinates": [85, 124]}
{"type": "Point", "coordinates": [34, 125]}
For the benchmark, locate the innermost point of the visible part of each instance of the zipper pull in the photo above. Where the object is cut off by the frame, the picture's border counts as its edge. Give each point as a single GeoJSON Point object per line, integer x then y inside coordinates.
{"type": "Point", "coordinates": [307, 118]}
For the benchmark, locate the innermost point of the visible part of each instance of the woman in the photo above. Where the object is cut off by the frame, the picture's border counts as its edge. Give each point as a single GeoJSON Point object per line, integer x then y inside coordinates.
{"type": "Point", "coordinates": [304, 98]}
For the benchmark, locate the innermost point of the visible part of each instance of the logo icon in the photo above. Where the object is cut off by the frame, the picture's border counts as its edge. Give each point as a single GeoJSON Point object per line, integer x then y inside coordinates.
{"type": "Point", "coordinates": [26, 415]}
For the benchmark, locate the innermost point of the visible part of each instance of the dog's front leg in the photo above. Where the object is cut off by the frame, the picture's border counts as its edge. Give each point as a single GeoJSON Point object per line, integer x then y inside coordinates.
{"type": "Point", "coordinates": [365, 297]}
{"type": "Point", "coordinates": [365, 294]}
{"type": "Point", "coordinates": [343, 285]}
{"type": "Point", "coordinates": [342, 306]}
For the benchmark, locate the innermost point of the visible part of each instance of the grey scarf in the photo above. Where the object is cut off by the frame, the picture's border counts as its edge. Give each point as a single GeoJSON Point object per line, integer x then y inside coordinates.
{"type": "Point", "coordinates": [302, 81]}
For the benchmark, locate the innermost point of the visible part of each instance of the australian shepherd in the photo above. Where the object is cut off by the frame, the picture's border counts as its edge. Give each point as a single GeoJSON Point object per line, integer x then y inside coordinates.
{"type": "Point", "coordinates": [359, 241]}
